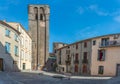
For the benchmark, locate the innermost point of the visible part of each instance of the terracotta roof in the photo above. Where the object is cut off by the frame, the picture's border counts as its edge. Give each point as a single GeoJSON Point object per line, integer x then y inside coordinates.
{"type": "Point", "coordinates": [5, 24]}
{"type": "Point", "coordinates": [21, 26]}
{"type": "Point", "coordinates": [88, 39]}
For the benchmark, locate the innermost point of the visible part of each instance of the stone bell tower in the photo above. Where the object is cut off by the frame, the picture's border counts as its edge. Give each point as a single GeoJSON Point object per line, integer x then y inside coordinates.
{"type": "Point", "coordinates": [39, 31]}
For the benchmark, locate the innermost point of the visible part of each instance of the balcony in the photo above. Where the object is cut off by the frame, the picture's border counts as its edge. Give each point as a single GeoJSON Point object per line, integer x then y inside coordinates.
{"type": "Point", "coordinates": [68, 61]}
{"type": "Point", "coordinates": [109, 44]}
{"type": "Point", "coordinates": [76, 61]}
{"type": "Point", "coordinates": [85, 61]}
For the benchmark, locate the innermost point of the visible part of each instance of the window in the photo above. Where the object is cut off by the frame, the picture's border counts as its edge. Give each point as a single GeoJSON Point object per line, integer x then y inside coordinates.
{"type": "Point", "coordinates": [105, 41]}
{"type": "Point", "coordinates": [41, 16]}
{"type": "Point", "coordinates": [85, 44]}
{"type": "Point", "coordinates": [94, 42]}
{"type": "Point", "coordinates": [16, 37]}
{"type": "Point", "coordinates": [101, 70]}
{"type": "Point", "coordinates": [7, 47]}
{"type": "Point", "coordinates": [67, 51]}
{"type": "Point", "coordinates": [85, 58]}
{"type": "Point", "coordinates": [101, 55]}
{"type": "Point", "coordinates": [7, 32]}
{"type": "Point", "coordinates": [16, 50]}
{"type": "Point", "coordinates": [85, 55]}
{"type": "Point", "coordinates": [36, 12]}
{"type": "Point", "coordinates": [63, 68]}
{"type": "Point", "coordinates": [76, 56]}
{"type": "Point", "coordinates": [116, 36]}
{"type": "Point", "coordinates": [55, 51]}
{"type": "Point", "coordinates": [76, 46]}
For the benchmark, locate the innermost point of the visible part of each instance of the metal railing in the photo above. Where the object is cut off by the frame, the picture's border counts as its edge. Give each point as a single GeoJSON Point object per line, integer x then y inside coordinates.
{"type": "Point", "coordinates": [76, 61]}
{"type": "Point", "coordinates": [109, 43]}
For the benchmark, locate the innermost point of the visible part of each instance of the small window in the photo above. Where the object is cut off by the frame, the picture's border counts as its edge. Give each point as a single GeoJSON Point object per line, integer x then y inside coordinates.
{"type": "Point", "coordinates": [41, 16]}
{"type": "Point", "coordinates": [116, 36]}
{"type": "Point", "coordinates": [7, 47]}
{"type": "Point", "coordinates": [16, 50]}
{"type": "Point", "coordinates": [55, 51]}
{"type": "Point", "coordinates": [101, 70]}
{"type": "Point", "coordinates": [7, 32]}
{"type": "Point", "coordinates": [63, 68]}
{"type": "Point", "coordinates": [101, 55]}
{"type": "Point", "coordinates": [76, 56]}
{"type": "Point", "coordinates": [36, 12]}
{"type": "Point", "coordinates": [85, 55]}
{"type": "Point", "coordinates": [16, 37]}
{"type": "Point", "coordinates": [85, 44]}
{"type": "Point", "coordinates": [94, 42]}
{"type": "Point", "coordinates": [76, 46]}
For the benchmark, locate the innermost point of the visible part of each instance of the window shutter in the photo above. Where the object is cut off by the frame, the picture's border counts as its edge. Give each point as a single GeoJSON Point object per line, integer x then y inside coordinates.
{"type": "Point", "coordinates": [103, 54]}
{"type": "Point", "coordinates": [98, 54]}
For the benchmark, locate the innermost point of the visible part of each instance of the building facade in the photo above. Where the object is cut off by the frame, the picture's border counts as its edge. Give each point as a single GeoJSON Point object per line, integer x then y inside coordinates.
{"type": "Point", "coordinates": [9, 48]}
{"type": "Point", "coordinates": [75, 58]}
{"type": "Point", "coordinates": [25, 46]}
{"type": "Point", "coordinates": [39, 31]}
{"type": "Point", "coordinates": [57, 45]}
{"type": "Point", "coordinates": [95, 56]}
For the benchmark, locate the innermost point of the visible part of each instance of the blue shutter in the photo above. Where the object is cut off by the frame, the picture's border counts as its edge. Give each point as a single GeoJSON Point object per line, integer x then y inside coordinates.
{"type": "Point", "coordinates": [7, 32]}
{"type": "Point", "coordinates": [16, 50]}
{"type": "Point", "coordinates": [7, 47]}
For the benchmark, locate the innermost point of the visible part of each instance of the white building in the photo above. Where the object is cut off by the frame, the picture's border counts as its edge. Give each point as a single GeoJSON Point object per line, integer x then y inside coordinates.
{"type": "Point", "coordinates": [25, 46]}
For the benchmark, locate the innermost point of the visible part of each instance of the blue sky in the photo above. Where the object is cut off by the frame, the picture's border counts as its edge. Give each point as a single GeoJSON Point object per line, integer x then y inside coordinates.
{"type": "Point", "coordinates": [70, 20]}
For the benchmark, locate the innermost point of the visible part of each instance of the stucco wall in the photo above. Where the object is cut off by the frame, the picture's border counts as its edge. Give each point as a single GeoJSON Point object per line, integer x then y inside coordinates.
{"type": "Point", "coordinates": [112, 58]}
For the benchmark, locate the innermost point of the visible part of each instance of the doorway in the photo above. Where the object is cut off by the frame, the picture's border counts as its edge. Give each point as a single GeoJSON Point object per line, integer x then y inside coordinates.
{"type": "Point", "coordinates": [118, 70]}
{"type": "Point", "coordinates": [23, 66]}
{"type": "Point", "coordinates": [1, 64]}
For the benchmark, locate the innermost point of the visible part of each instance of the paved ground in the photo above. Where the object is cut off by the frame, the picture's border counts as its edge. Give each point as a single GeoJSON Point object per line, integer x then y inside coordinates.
{"type": "Point", "coordinates": [34, 78]}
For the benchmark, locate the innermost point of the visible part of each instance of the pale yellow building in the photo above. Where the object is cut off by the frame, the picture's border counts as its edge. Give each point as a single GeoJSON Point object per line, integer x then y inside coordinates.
{"type": "Point", "coordinates": [106, 55]}
{"type": "Point", "coordinates": [98, 56]}
{"type": "Point", "coordinates": [9, 48]}
{"type": "Point", "coordinates": [25, 46]}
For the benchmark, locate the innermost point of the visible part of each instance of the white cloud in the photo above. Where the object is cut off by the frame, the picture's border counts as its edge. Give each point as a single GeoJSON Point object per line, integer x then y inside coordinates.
{"type": "Point", "coordinates": [94, 8]}
{"type": "Point", "coordinates": [117, 18]}
{"type": "Point", "coordinates": [80, 10]}
{"type": "Point", "coordinates": [97, 10]}
{"type": "Point", "coordinates": [86, 33]}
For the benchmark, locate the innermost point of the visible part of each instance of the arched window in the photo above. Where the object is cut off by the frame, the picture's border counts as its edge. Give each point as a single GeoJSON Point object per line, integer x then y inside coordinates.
{"type": "Point", "coordinates": [41, 16]}
{"type": "Point", "coordinates": [41, 13]}
{"type": "Point", "coordinates": [36, 12]}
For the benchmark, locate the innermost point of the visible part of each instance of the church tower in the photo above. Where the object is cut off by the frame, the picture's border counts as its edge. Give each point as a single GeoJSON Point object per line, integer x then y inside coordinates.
{"type": "Point", "coordinates": [39, 31]}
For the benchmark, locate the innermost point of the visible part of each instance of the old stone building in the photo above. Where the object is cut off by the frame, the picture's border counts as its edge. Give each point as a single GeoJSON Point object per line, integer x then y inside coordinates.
{"type": "Point", "coordinates": [9, 48]}
{"type": "Point", "coordinates": [97, 56]}
{"type": "Point", "coordinates": [39, 31]}
{"type": "Point", "coordinates": [25, 46]}
{"type": "Point", "coordinates": [15, 47]}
